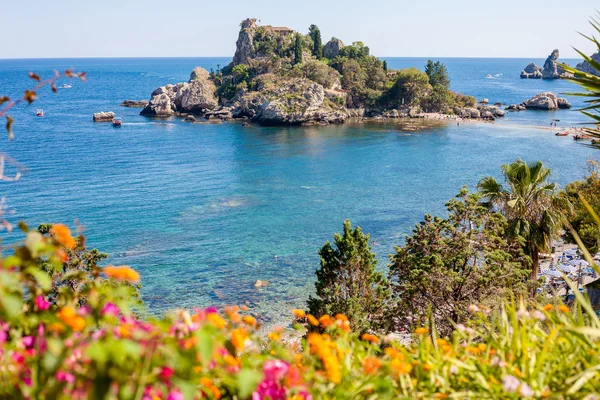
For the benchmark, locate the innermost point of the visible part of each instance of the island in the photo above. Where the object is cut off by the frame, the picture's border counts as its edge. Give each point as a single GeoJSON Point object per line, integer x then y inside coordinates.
{"type": "Point", "coordinates": [281, 77]}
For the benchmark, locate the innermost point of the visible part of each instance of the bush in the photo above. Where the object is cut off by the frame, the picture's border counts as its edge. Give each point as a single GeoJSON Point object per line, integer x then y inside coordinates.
{"type": "Point", "coordinates": [321, 73]}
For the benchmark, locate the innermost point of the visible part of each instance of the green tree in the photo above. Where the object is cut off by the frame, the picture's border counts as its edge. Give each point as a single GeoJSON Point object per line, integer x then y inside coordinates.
{"type": "Point", "coordinates": [385, 66]}
{"type": "Point", "coordinates": [317, 46]}
{"type": "Point", "coordinates": [240, 74]}
{"type": "Point", "coordinates": [410, 87]}
{"type": "Point", "coordinates": [348, 283]}
{"type": "Point", "coordinates": [581, 220]}
{"type": "Point", "coordinates": [534, 210]}
{"type": "Point", "coordinates": [450, 263]}
{"type": "Point", "coordinates": [298, 50]}
{"type": "Point", "coordinates": [438, 74]}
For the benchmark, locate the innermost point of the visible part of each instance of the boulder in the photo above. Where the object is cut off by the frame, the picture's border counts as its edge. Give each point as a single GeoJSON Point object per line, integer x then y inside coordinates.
{"type": "Point", "coordinates": [332, 48]}
{"type": "Point", "coordinates": [550, 70]}
{"type": "Point", "coordinates": [586, 66]}
{"type": "Point", "coordinates": [161, 103]}
{"type": "Point", "coordinates": [531, 71]}
{"type": "Point", "coordinates": [545, 101]}
{"type": "Point", "coordinates": [133, 103]}
{"type": "Point", "coordinates": [104, 116]}
{"type": "Point", "coordinates": [563, 103]}
{"type": "Point", "coordinates": [259, 283]}
{"type": "Point", "coordinates": [190, 118]}
{"type": "Point", "coordinates": [488, 115]}
{"type": "Point", "coordinates": [469, 112]}
{"type": "Point", "coordinates": [531, 68]}
{"type": "Point", "coordinates": [223, 113]}
{"type": "Point", "coordinates": [244, 47]}
{"type": "Point", "coordinates": [490, 112]}
{"type": "Point", "coordinates": [484, 101]}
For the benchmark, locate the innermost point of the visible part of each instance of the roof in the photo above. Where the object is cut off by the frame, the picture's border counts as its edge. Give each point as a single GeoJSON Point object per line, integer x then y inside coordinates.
{"type": "Point", "coordinates": [279, 28]}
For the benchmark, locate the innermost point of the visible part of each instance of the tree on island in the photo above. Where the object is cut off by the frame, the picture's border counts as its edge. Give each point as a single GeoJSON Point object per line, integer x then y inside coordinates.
{"type": "Point", "coordinates": [315, 34]}
{"type": "Point", "coordinates": [438, 74]}
{"type": "Point", "coordinates": [348, 283]}
{"type": "Point", "coordinates": [385, 66]}
{"type": "Point", "coordinates": [534, 210]}
{"type": "Point", "coordinates": [298, 50]}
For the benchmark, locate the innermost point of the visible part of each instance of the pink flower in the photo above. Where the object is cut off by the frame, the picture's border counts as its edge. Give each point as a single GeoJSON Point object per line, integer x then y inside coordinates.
{"type": "Point", "coordinates": [211, 310]}
{"type": "Point", "coordinates": [275, 370]}
{"type": "Point", "coordinates": [175, 395]}
{"type": "Point", "coordinates": [65, 377]}
{"type": "Point", "coordinates": [41, 303]}
{"type": "Point", "coordinates": [165, 374]}
{"type": "Point", "coordinates": [27, 341]}
{"type": "Point", "coordinates": [111, 310]}
{"type": "Point", "coordinates": [270, 388]}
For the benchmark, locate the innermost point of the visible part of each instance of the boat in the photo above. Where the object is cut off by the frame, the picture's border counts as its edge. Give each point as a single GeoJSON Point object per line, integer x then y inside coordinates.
{"type": "Point", "coordinates": [489, 76]}
{"type": "Point", "coordinates": [66, 86]}
{"type": "Point", "coordinates": [117, 122]}
{"type": "Point", "coordinates": [564, 133]}
{"type": "Point", "coordinates": [40, 112]}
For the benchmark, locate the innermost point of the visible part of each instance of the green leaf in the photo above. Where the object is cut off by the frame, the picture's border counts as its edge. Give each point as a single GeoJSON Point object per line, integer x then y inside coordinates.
{"type": "Point", "coordinates": [247, 380]}
{"type": "Point", "coordinates": [42, 278]}
{"type": "Point", "coordinates": [11, 305]}
{"type": "Point", "coordinates": [205, 344]}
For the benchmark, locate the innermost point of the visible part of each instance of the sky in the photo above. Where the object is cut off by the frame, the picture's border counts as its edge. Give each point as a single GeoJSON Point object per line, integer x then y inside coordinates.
{"type": "Point", "coordinates": [201, 28]}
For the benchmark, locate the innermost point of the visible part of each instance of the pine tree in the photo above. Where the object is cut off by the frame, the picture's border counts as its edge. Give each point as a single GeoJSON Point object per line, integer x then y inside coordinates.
{"type": "Point", "coordinates": [315, 34]}
{"type": "Point", "coordinates": [298, 50]}
{"type": "Point", "coordinates": [385, 65]}
{"type": "Point", "coordinates": [348, 283]}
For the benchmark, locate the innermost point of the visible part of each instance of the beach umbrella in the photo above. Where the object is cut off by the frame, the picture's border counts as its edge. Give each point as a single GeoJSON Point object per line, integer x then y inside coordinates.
{"type": "Point", "coordinates": [553, 273]}
{"type": "Point", "coordinates": [579, 263]}
{"type": "Point", "coordinates": [566, 268]}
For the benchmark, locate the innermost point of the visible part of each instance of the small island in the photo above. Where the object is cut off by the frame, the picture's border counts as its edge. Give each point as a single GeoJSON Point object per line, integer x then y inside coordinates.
{"type": "Point", "coordinates": [281, 77]}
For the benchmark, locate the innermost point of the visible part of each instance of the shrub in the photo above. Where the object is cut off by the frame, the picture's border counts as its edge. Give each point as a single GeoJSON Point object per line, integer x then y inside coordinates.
{"type": "Point", "coordinates": [321, 73]}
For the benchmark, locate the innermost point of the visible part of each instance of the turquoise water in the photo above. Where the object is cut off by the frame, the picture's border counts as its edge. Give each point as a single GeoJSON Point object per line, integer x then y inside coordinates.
{"type": "Point", "coordinates": [203, 211]}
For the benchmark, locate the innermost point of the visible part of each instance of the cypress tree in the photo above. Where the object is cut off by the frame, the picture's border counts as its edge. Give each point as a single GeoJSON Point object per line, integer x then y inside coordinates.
{"type": "Point", "coordinates": [384, 65]}
{"type": "Point", "coordinates": [298, 50]}
{"type": "Point", "coordinates": [315, 33]}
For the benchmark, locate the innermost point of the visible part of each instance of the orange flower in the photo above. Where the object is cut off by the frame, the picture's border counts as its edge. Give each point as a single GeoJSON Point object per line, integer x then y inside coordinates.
{"type": "Point", "coordinates": [62, 235]}
{"type": "Point", "coordinates": [548, 307]}
{"type": "Point", "coordinates": [324, 348]}
{"type": "Point", "coordinates": [421, 331]}
{"type": "Point", "coordinates": [298, 313]}
{"type": "Point", "coordinates": [231, 360]}
{"type": "Point", "coordinates": [473, 350]}
{"type": "Point", "coordinates": [325, 321]}
{"type": "Point", "coordinates": [370, 338]}
{"type": "Point", "coordinates": [312, 320]}
{"type": "Point", "coordinates": [216, 320]}
{"type": "Point", "coordinates": [249, 320]}
{"type": "Point", "coordinates": [238, 338]}
{"type": "Point", "coordinates": [121, 273]}
{"type": "Point", "coordinates": [394, 353]}
{"type": "Point", "coordinates": [70, 318]}
{"type": "Point", "coordinates": [232, 314]}
{"type": "Point", "coordinates": [342, 322]}
{"type": "Point", "coordinates": [400, 366]}
{"type": "Point", "coordinates": [563, 308]}
{"type": "Point", "coordinates": [371, 365]}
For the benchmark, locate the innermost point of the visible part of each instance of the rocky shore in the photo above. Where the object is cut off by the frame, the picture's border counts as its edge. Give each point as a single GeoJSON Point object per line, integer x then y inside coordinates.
{"type": "Point", "coordinates": [551, 69]}
{"type": "Point", "coordinates": [542, 101]}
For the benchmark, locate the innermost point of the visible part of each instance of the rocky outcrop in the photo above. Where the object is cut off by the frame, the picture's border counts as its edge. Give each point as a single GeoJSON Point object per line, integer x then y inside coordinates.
{"type": "Point", "coordinates": [195, 96]}
{"type": "Point", "coordinates": [469, 112]}
{"type": "Point", "coordinates": [289, 102]}
{"type": "Point", "coordinates": [550, 70]}
{"type": "Point", "coordinates": [244, 47]}
{"type": "Point", "coordinates": [531, 71]}
{"type": "Point", "coordinates": [542, 101]}
{"type": "Point", "coordinates": [332, 49]}
{"type": "Point", "coordinates": [134, 103]}
{"type": "Point", "coordinates": [104, 116]}
{"type": "Point", "coordinates": [587, 68]}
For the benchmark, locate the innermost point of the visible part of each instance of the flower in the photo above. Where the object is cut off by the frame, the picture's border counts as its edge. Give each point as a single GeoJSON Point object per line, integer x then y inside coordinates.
{"type": "Point", "coordinates": [510, 383]}
{"type": "Point", "coordinates": [110, 309]}
{"type": "Point", "coordinates": [70, 318]}
{"type": "Point", "coordinates": [370, 338]}
{"type": "Point", "coordinates": [473, 309]}
{"type": "Point", "coordinates": [249, 320]}
{"type": "Point", "coordinates": [563, 308]}
{"type": "Point", "coordinates": [548, 307]}
{"type": "Point", "coordinates": [298, 313]}
{"type": "Point", "coordinates": [400, 367]}
{"type": "Point", "coordinates": [65, 377]}
{"type": "Point", "coordinates": [41, 303]}
{"type": "Point", "coordinates": [275, 370]}
{"type": "Point", "coordinates": [62, 235]}
{"type": "Point", "coordinates": [165, 374]}
{"type": "Point", "coordinates": [324, 348]}
{"type": "Point", "coordinates": [525, 390]}
{"type": "Point", "coordinates": [238, 338]}
{"type": "Point", "coordinates": [312, 320]}
{"type": "Point", "coordinates": [325, 321]}
{"type": "Point", "coordinates": [537, 314]}
{"type": "Point", "coordinates": [216, 320]}
{"type": "Point", "coordinates": [122, 273]}
{"type": "Point", "coordinates": [421, 331]}
{"type": "Point", "coordinates": [175, 395]}
{"type": "Point", "coordinates": [371, 365]}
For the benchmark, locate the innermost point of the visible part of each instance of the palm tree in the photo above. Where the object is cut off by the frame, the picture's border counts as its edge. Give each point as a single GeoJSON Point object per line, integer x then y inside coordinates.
{"type": "Point", "coordinates": [533, 208]}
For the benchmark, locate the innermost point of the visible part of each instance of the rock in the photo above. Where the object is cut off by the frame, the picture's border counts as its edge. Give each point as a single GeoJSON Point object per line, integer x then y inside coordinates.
{"type": "Point", "coordinates": [512, 107]}
{"type": "Point", "coordinates": [490, 112]}
{"type": "Point", "coordinates": [161, 103]}
{"type": "Point", "coordinates": [223, 113]}
{"type": "Point", "coordinates": [104, 116]}
{"type": "Point", "coordinates": [469, 112]}
{"type": "Point", "coordinates": [133, 103]}
{"type": "Point", "coordinates": [531, 68]}
{"type": "Point", "coordinates": [550, 70]}
{"type": "Point", "coordinates": [586, 66]}
{"type": "Point", "coordinates": [563, 103]}
{"type": "Point", "coordinates": [531, 71]}
{"type": "Point", "coordinates": [487, 115]}
{"type": "Point", "coordinates": [245, 124]}
{"type": "Point", "coordinates": [542, 101]}
{"type": "Point", "coordinates": [332, 49]}
{"type": "Point", "coordinates": [259, 283]}
{"type": "Point", "coordinates": [244, 47]}
{"type": "Point", "coordinates": [190, 118]}
{"type": "Point", "coordinates": [484, 101]}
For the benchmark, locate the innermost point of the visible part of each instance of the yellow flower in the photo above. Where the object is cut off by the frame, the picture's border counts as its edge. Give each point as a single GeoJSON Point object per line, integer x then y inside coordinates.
{"type": "Point", "coordinates": [371, 365]}
{"type": "Point", "coordinates": [232, 314]}
{"type": "Point", "coordinates": [249, 320]}
{"type": "Point", "coordinates": [324, 348]}
{"type": "Point", "coordinates": [394, 353]}
{"type": "Point", "coordinates": [325, 321]}
{"type": "Point", "coordinates": [70, 318]}
{"type": "Point", "coordinates": [548, 307]}
{"type": "Point", "coordinates": [298, 313]}
{"type": "Point", "coordinates": [121, 273]}
{"type": "Point", "coordinates": [421, 331]}
{"type": "Point", "coordinates": [238, 337]}
{"type": "Point", "coordinates": [312, 320]}
{"type": "Point", "coordinates": [400, 366]}
{"type": "Point", "coordinates": [62, 235]}
{"type": "Point", "coordinates": [216, 320]}
{"type": "Point", "coordinates": [370, 338]}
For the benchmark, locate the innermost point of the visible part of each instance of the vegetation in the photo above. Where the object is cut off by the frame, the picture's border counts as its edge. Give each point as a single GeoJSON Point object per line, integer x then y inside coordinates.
{"type": "Point", "coordinates": [298, 50]}
{"type": "Point", "coordinates": [535, 211]}
{"type": "Point", "coordinates": [583, 195]}
{"type": "Point", "coordinates": [449, 263]}
{"type": "Point", "coordinates": [348, 283]}
{"type": "Point", "coordinates": [317, 47]}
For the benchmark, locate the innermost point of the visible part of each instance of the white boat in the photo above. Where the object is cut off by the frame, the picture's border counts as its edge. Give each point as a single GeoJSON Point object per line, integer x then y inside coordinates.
{"type": "Point", "coordinates": [117, 122]}
{"type": "Point", "coordinates": [66, 86]}
{"type": "Point", "coordinates": [40, 112]}
{"type": "Point", "coordinates": [489, 76]}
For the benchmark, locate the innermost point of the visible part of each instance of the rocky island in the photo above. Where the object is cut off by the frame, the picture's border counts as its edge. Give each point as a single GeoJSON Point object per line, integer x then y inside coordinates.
{"type": "Point", "coordinates": [551, 69]}
{"type": "Point", "coordinates": [281, 77]}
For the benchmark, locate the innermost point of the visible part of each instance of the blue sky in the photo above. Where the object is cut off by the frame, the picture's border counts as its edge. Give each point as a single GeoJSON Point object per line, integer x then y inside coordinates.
{"type": "Point", "coordinates": [415, 28]}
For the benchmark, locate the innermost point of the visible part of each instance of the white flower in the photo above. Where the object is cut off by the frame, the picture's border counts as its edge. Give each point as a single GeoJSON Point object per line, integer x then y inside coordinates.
{"type": "Point", "coordinates": [453, 370]}
{"type": "Point", "coordinates": [510, 383]}
{"type": "Point", "coordinates": [525, 390]}
{"type": "Point", "coordinates": [537, 314]}
{"type": "Point", "coordinates": [522, 314]}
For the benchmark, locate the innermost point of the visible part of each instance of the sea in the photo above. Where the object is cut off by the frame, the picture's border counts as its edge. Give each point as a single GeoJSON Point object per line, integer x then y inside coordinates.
{"type": "Point", "coordinates": [203, 211]}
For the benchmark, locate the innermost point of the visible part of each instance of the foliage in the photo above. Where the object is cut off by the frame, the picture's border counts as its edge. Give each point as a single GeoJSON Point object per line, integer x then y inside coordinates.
{"type": "Point", "coordinates": [438, 74]}
{"type": "Point", "coordinates": [240, 74]}
{"type": "Point", "coordinates": [321, 73]}
{"type": "Point", "coordinates": [440, 100]}
{"type": "Point", "coordinates": [348, 282]}
{"type": "Point", "coordinates": [298, 50]}
{"type": "Point", "coordinates": [534, 210]}
{"type": "Point", "coordinates": [449, 263]}
{"type": "Point", "coordinates": [589, 82]}
{"type": "Point", "coordinates": [317, 46]}
{"type": "Point", "coordinates": [579, 193]}
{"type": "Point", "coordinates": [356, 51]}
{"type": "Point", "coordinates": [410, 87]}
